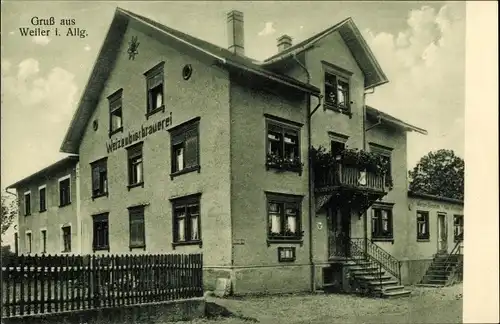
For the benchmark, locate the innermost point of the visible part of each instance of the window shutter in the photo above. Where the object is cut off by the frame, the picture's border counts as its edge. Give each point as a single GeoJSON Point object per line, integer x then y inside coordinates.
{"type": "Point", "coordinates": [134, 151]}
{"type": "Point", "coordinates": [177, 138]}
{"type": "Point", "coordinates": [115, 103]}
{"type": "Point", "coordinates": [191, 148]}
{"type": "Point", "coordinates": [155, 80]}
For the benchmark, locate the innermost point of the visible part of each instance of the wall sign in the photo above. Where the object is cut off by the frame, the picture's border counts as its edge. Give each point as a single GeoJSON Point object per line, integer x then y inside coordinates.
{"type": "Point", "coordinates": [429, 204]}
{"type": "Point", "coordinates": [133, 137]}
{"type": "Point", "coordinates": [286, 254]}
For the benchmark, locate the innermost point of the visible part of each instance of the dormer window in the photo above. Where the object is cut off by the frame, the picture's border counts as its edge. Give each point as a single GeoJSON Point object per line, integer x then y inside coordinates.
{"type": "Point", "coordinates": [155, 86]}
{"type": "Point", "coordinates": [336, 92]}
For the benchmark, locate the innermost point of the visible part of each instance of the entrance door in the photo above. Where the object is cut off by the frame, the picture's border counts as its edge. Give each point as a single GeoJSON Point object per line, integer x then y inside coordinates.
{"type": "Point", "coordinates": [340, 232]}
{"type": "Point", "coordinates": [442, 234]}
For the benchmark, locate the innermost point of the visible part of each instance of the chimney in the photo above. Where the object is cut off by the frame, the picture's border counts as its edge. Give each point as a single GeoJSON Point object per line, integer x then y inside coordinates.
{"type": "Point", "coordinates": [235, 32]}
{"type": "Point", "coordinates": [284, 42]}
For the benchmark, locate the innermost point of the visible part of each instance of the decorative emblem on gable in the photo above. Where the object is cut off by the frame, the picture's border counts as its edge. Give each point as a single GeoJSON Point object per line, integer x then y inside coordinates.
{"type": "Point", "coordinates": [132, 48]}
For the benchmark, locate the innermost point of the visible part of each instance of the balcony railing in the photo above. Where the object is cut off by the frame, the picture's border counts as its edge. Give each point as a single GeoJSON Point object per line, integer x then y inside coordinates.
{"type": "Point", "coordinates": [348, 176]}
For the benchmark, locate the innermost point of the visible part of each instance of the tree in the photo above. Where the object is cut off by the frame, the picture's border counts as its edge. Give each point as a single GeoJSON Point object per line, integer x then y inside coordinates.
{"type": "Point", "coordinates": [9, 212]}
{"type": "Point", "coordinates": [439, 173]}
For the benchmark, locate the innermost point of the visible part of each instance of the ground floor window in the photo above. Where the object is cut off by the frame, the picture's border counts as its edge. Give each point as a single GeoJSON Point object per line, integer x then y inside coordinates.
{"type": "Point", "coordinates": [28, 242]}
{"type": "Point", "coordinates": [43, 234]}
{"type": "Point", "coordinates": [101, 232]}
{"type": "Point", "coordinates": [137, 231]}
{"type": "Point", "coordinates": [458, 227]}
{"type": "Point", "coordinates": [284, 216]}
{"type": "Point", "coordinates": [382, 222]}
{"type": "Point", "coordinates": [186, 220]}
{"type": "Point", "coordinates": [66, 238]}
{"type": "Point", "coordinates": [422, 225]}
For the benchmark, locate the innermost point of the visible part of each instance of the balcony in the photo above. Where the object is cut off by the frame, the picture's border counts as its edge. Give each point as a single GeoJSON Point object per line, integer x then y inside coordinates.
{"type": "Point", "coordinates": [340, 176]}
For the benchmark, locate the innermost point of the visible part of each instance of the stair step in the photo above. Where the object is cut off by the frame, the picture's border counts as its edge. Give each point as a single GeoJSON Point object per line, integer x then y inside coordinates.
{"type": "Point", "coordinates": [366, 272]}
{"type": "Point", "coordinates": [394, 294]}
{"type": "Point", "coordinates": [373, 278]}
{"type": "Point", "coordinates": [383, 283]}
{"type": "Point", "coordinates": [389, 288]}
{"type": "Point", "coordinates": [435, 282]}
{"type": "Point", "coordinates": [429, 285]}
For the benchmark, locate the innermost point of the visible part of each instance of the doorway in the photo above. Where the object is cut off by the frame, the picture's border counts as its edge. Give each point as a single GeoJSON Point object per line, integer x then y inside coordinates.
{"type": "Point", "coordinates": [339, 231]}
{"type": "Point", "coordinates": [442, 234]}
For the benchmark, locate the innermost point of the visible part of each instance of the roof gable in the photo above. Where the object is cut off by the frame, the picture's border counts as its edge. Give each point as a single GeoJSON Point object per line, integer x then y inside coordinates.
{"type": "Point", "coordinates": [375, 113]}
{"type": "Point", "coordinates": [374, 75]}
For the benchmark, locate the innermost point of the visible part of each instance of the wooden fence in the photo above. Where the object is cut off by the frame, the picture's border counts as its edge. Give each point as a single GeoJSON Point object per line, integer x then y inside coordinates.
{"type": "Point", "coordinates": [53, 284]}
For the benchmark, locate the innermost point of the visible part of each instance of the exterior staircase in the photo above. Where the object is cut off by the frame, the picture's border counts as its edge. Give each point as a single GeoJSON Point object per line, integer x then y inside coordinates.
{"type": "Point", "coordinates": [445, 269]}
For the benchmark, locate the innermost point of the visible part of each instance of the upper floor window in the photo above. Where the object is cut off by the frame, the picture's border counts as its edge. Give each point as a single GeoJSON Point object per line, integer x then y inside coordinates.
{"type": "Point", "coordinates": [137, 230]}
{"type": "Point", "coordinates": [99, 178]}
{"type": "Point", "coordinates": [135, 163]}
{"type": "Point", "coordinates": [283, 146]}
{"type": "Point", "coordinates": [27, 203]}
{"type": "Point", "coordinates": [185, 148]}
{"type": "Point", "coordinates": [284, 216]}
{"type": "Point", "coordinates": [422, 225]}
{"type": "Point", "coordinates": [386, 155]}
{"type": "Point", "coordinates": [64, 191]}
{"type": "Point", "coordinates": [42, 195]}
{"type": "Point", "coordinates": [382, 222]}
{"type": "Point", "coordinates": [336, 92]}
{"type": "Point", "coordinates": [458, 227]}
{"type": "Point", "coordinates": [115, 112]}
{"type": "Point", "coordinates": [155, 86]}
{"type": "Point", "coordinates": [100, 239]}
{"type": "Point", "coordinates": [186, 220]}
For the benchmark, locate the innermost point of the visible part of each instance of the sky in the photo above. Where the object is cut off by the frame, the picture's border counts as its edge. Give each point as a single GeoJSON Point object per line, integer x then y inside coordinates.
{"type": "Point", "coordinates": [419, 45]}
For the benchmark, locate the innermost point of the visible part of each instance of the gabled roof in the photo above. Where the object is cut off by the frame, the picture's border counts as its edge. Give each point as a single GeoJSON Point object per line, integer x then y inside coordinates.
{"type": "Point", "coordinates": [375, 113]}
{"type": "Point", "coordinates": [54, 167]}
{"type": "Point", "coordinates": [108, 53]}
{"type": "Point", "coordinates": [374, 76]}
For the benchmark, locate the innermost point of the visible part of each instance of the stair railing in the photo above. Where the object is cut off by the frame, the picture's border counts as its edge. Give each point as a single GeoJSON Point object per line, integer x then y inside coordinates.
{"type": "Point", "coordinates": [389, 262]}
{"type": "Point", "coordinates": [454, 252]}
{"type": "Point", "coordinates": [356, 250]}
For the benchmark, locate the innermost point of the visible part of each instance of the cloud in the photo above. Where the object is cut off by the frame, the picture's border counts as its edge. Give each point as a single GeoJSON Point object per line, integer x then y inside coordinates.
{"type": "Point", "coordinates": [41, 40]}
{"type": "Point", "coordinates": [268, 29]}
{"type": "Point", "coordinates": [425, 64]}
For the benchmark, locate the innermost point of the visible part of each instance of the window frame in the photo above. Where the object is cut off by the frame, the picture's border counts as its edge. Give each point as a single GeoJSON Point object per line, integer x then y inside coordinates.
{"type": "Point", "coordinates": [155, 72]}
{"type": "Point", "coordinates": [339, 75]}
{"type": "Point", "coordinates": [420, 237]}
{"type": "Point", "coordinates": [175, 134]}
{"type": "Point", "coordinates": [388, 207]}
{"type": "Point", "coordinates": [59, 182]}
{"type": "Point", "coordinates": [112, 99]}
{"type": "Point", "coordinates": [384, 152]}
{"type": "Point", "coordinates": [134, 211]}
{"type": "Point", "coordinates": [63, 238]}
{"type": "Point", "coordinates": [98, 164]}
{"type": "Point", "coordinates": [185, 202]}
{"type": "Point", "coordinates": [284, 200]}
{"type": "Point", "coordinates": [43, 240]}
{"type": "Point", "coordinates": [134, 152]}
{"type": "Point", "coordinates": [284, 125]}
{"type": "Point", "coordinates": [100, 218]}
{"type": "Point", "coordinates": [27, 205]}
{"type": "Point", "coordinates": [43, 208]}
{"type": "Point", "coordinates": [462, 225]}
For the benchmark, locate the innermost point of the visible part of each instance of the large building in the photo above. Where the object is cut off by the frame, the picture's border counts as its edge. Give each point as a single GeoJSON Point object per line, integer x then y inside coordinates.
{"type": "Point", "coordinates": [183, 146]}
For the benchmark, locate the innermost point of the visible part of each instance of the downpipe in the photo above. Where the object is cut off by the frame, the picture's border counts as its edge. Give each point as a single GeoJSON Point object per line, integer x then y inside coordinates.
{"type": "Point", "coordinates": [365, 219]}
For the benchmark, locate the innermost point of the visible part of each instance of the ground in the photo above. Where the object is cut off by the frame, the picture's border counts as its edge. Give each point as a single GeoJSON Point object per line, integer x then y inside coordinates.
{"type": "Point", "coordinates": [425, 305]}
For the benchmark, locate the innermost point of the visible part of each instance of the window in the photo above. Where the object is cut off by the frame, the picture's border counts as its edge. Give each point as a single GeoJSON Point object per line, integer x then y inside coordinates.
{"type": "Point", "coordinates": [66, 236]}
{"type": "Point", "coordinates": [115, 112]}
{"type": "Point", "coordinates": [284, 216]}
{"type": "Point", "coordinates": [458, 227]}
{"type": "Point", "coordinates": [135, 174]}
{"type": "Point", "coordinates": [186, 223]}
{"type": "Point", "coordinates": [185, 148]}
{"type": "Point", "coordinates": [154, 80]}
{"type": "Point", "coordinates": [422, 225]}
{"type": "Point", "coordinates": [336, 92]}
{"type": "Point", "coordinates": [337, 147]}
{"type": "Point", "coordinates": [99, 178]}
{"type": "Point", "coordinates": [382, 222]}
{"type": "Point", "coordinates": [385, 154]}
{"type": "Point", "coordinates": [283, 147]}
{"type": "Point", "coordinates": [27, 203]}
{"type": "Point", "coordinates": [44, 240]}
{"type": "Point", "coordinates": [16, 243]}
{"type": "Point", "coordinates": [28, 242]}
{"type": "Point", "coordinates": [137, 232]}
{"type": "Point", "coordinates": [101, 232]}
{"type": "Point", "coordinates": [43, 198]}
{"type": "Point", "coordinates": [64, 191]}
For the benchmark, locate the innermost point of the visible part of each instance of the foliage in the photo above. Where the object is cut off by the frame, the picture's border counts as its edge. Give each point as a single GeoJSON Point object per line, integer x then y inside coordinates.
{"type": "Point", "coordinates": [363, 160]}
{"type": "Point", "coordinates": [278, 162]}
{"type": "Point", "coordinates": [439, 173]}
{"type": "Point", "coordinates": [9, 212]}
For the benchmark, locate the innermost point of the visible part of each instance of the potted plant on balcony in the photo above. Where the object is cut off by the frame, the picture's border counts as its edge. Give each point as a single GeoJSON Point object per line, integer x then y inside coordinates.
{"type": "Point", "coordinates": [284, 163]}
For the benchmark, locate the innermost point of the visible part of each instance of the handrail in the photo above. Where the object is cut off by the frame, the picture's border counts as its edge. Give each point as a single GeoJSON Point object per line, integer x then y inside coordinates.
{"type": "Point", "coordinates": [453, 252]}
{"type": "Point", "coordinates": [389, 262]}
